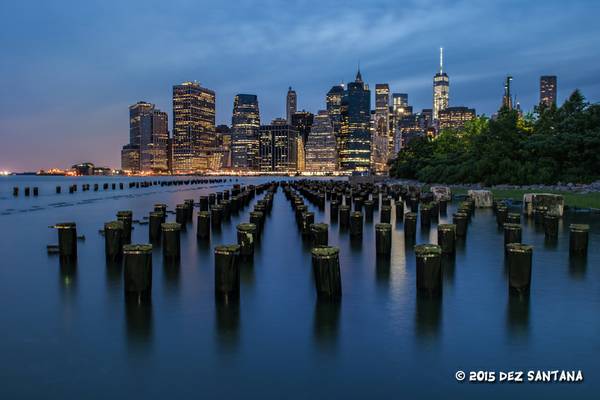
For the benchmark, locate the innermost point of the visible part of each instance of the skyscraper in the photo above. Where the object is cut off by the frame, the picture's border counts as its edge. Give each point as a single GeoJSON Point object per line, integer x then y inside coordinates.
{"type": "Point", "coordinates": [278, 147]}
{"type": "Point", "coordinates": [548, 90]}
{"type": "Point", "coordinates": [507, 101]}
{"type": "Point", "coordinates": [194, 136]}
{"type": "Point", "coordinates": [148, 140]}
{"type": "Point", "coordinates": [245, 123]}
{"type": "Point", "coordinates": [383, 141]}
{"type": "Point", "coordinates": [441, 88]}
{"type": "Point", "coordinates": [302, 122]}
{"type": "Point", "coordinates": [321, 152]}
{"type": "Point", "coordinates": [355, 137]}
{"type": "Point", "coordinates": [291, 104]}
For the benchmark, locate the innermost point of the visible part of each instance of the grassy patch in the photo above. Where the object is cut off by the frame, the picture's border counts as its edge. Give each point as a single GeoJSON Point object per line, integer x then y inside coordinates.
{"type": "Point", "coordinates": [572, 199]}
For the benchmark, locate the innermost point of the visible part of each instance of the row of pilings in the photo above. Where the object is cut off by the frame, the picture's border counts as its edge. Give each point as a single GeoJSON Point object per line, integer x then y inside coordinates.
{"type": "Point", "coordinates": [95, 187]}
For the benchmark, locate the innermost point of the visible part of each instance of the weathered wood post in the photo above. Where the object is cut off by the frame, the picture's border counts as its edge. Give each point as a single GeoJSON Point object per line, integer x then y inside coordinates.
{"type": "Point", "coordinates": [333, 211]}
{"type": "Point", "coordinates": [369, 206]}
{"type": "Point", "coordinates": [519, 267]}
{"type": "Point", "coordinates": [399, 210]}
{"type": "Point", "coordinates": [383, 239]}
{"type": "Point", "coordinates": [550, 226]}
{"type": "Point", "coordinates": [155, 220]}
{"type": "Point", "coordinates": [425, 216]}
{"type": "Point", "coordinates": [137, 271]}
{"type": "Point", "coordinates": [203, 225]}
{"type": "Point", "coordinates": [512, 234]}
{"type": "Point", "coordinates": [578, 239]}
{"type": "Point", "coordinates": [126, 217]}
{"type": "Point", "coordinates": [246, 235]}
{"type": "Point", "coordinates": [429, 269]}
{"type": "Point", "coordinates": [319, 234]}
{"type": "Point", "coordinates": [356, 224]}
{"type": "Point", "coordinates": [227, 272]}
{"type": "Point", "coordinates": [215, 216]}
{"type": "Point", "coordinates": [326, 271]}
{"type": "Point", "coordinates": [67, 240]}
{"type": "Point", "coordinates": [447, 238]}
{"type": "Point", "coordinates": [344, 216]}
{"type": "Point", "coordinates": [113, 240]}
{"type": "Point", "coordinates": [171, 240]}
{"type": "Point", "coordinates": [308, 218]}
{"type": "Point", "coordinates": [410, 225]}
{"type": "Point", "coordinates": [460, 219]}
{"type": "Point", "coordinates": [385, 214]}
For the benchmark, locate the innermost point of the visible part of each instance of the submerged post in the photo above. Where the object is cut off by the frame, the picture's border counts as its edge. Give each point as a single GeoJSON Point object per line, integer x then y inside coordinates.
{"type": "Point", "coordinates": [326, 271]}
{"type": "Point", "coordinates": [246, 233]}
{"type": "Point", "coordinates": [578, 239]}
{"type": "Point", "coordinates": [429, 269]}
{"type": "Point", "coordinates": [383, 239]}
{"type": "Point", "coordinates": [113, 240]}
{"type": "Point", "coordinates": [410, 225]}
{"type": "Point", "coordinates": [356, 224]}
{"type": "Point", "coordinates": [319, 234]}
{"type": "Point", "coordinates": [138, 270]}
{"type": "Point", "coordinates": [67, 240]}
{"type": "Point", "coordinates": [447, 238]}
{"type": "Point", "coordinates": [127, 218]}
{"type": "Point", "coordinates": [519, 266]}
{"type": "Point", "coordinates": [171, 233]}
{"type": "Point", "coordinates": [203, 228]}
{"type": "Point", "coordinates": [227, 272]}
{"type": "Point", "coordinates": [154, 230]}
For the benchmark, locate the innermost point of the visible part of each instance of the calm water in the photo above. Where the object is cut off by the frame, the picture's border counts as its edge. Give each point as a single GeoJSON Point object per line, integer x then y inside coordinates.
{"type": "Point", "coordinates": [69, 334]}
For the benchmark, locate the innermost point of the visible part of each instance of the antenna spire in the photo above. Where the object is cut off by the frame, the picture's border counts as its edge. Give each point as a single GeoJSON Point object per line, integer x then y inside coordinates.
{"type": "Point", "coordinates": [441, 60]}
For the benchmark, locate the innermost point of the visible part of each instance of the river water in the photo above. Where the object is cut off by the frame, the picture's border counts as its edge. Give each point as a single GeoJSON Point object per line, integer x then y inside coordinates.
{"type": "Point", "coordinates": [67, 333]}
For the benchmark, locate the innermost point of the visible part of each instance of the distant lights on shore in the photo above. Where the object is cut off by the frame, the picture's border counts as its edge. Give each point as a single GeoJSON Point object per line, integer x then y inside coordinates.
{"type": "Point", "coordinates": [5, 173]}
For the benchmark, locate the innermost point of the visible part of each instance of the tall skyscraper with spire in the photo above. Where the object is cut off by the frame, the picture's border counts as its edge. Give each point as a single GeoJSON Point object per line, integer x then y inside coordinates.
{"type": "Point", "coordinates": [291, 105]}
{"type": "Point", "coordinates": [507, 101]}
{"type": "Point", "coordinates": [441, 88]}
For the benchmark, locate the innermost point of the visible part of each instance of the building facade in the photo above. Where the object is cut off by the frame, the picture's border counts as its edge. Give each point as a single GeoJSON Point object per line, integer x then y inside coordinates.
{"type": "Point", "coordinates": [302, 121]}
{"type": "Point", "coordinates": [548, 90]}
{"type": "Point", "coordinates": [441, 89]}
{"type": "Point", "coordinates": [147, 150]}
{"type": "Point", "coordinates": [194, 133]}
{"type": "Point", "coordinates": [321, 146]}
{"type": "Point", "coordinates": [245, 123]}
{"type": "Point", "coordinates": [355, 135]}
{"type": "Point", "coordinates": [455, 117]}
{"type": "Point", "coordinates": [278, 147]}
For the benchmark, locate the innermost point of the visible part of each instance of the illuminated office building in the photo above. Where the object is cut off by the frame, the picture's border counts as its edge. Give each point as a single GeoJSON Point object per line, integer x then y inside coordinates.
{"type": "Point", "coordinates": [441, 88]}
{"type": "Point", "coordinates": [302, 122]}
{"type": "Point", "coordinates": [291, 104]}
{"type": "Point", "coordinates": [382, 136]}
{"type": "Point", "coordinates": [548, 90]}
{"type": "Point", "coordinates": [245, 123]}
{"type": "Point", "coordinates": [507, 101]}
{"type": "Point", "coordinates": [278, 147]}
{"type": "Point", "coordinates": [321, 152]}
{"type": "Point", "coordinates": [455, 117]}
{"type": "Point", "coordinates": [194, 136]}
{"type": "Point", "coordinates": [355, 135]}
{"type": "Point", "coordinates": [148, 140]}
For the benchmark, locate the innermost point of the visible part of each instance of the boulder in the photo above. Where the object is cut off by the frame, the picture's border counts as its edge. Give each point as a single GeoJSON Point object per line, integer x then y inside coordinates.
{"type": "Point", "coordinates": [482, 198]}
{"type": "Point", "coordinates": [441, 193]}
{"type": "Point", "coordinates": [555, 203]}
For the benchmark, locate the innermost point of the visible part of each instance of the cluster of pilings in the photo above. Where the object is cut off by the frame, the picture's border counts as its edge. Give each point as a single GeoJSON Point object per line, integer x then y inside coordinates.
{"type": "Point", "coordinates": [325, 258]}
{"type": "Point", "coordinates": [352, 205]}
{"type": "Point", "coordinates": [73, 188]}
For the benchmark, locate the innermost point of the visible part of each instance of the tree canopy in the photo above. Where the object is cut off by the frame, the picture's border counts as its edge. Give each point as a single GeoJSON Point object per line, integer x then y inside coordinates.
{"type": "Point", "coordinates": [549, 146]}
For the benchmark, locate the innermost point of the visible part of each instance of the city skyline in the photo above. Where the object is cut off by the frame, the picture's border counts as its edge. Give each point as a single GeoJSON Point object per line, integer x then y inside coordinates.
{"type": "Point", "coordinates": [58, 110]}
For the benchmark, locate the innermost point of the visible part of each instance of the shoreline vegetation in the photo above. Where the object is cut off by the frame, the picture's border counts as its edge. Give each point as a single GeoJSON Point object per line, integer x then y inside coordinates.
{"type": "Point", "coordinates": [544, 148]}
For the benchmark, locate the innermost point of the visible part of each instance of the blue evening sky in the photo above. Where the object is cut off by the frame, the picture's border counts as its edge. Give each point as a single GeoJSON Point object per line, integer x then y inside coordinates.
{"type": "Point", "coordinates": [69, 69]}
